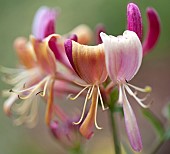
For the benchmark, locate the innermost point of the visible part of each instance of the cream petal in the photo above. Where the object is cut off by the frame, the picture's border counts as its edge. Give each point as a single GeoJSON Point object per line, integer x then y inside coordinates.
{"type": "Point", "coordinates": [123, 55]}
{"type": "Point", "coordinates": [8, 103]}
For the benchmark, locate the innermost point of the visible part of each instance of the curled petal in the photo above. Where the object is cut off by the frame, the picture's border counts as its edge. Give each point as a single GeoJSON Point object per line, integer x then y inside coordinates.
{"type": "Point", "coordinates": [44, 55]}
{"type": "Point", "coordinates": [84, 34]}
{"type": "Point", "coordinates": [153, 30]}
{"type": "Point", "coordinates": [87, 61]}
{"type": "Point", "coordinates": [131, 125]}
{"type": "Point", "coordinates": [99, 28]}
{"type": "Point", "coordinates": [57, 46]}
{"type": "Point", "coordinates": [123, 55]}
{"type": "Point", "coordinates": [134, 19]}
{"type": "Point", "coordinates": [25, 52]}
{"type": "Point", "coordinates": [73, 37]}
{"type": "Point", "coordinates": [44, 22]}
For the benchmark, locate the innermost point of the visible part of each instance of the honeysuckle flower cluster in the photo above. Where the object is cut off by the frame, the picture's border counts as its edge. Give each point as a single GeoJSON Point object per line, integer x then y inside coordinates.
{"type": "Point", "coordinates": [52, 65]}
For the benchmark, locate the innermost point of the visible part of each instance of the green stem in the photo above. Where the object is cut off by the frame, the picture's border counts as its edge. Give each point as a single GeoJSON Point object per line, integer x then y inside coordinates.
{"type": "Point", "coordinates": [76, 150]}
{"type": "Point", "coordinates": [115, 134]}
{"type": "Point", "coordinates": [158, 147]}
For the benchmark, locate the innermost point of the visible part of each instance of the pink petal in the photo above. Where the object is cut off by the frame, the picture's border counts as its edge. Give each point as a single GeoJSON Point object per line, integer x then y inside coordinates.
{"type": "Point", "coordinates": [123, 55]}
{"type": "Point", "coordinates": [153, 30]}
{"type": "Point", "coordinates": [99, 28]}
{"type": "Point", "coordinates": [44, 22]}
{"type": "Point", "coordinates": [134, 19]}
{"type": "Point", "coordinates": [131, 125]}
{"type": "Point", "coordinates": [57, 46]}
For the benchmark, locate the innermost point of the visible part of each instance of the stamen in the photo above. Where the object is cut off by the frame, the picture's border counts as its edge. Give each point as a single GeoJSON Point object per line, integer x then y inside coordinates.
{"type": "Point", "coordinates": [73, 98]}
{"type": "Point", "coordinates": [120, 100]}
{"type": "Point", "coordinates": [147, 89]}
{"type": "Point", "coordinates": [84, 108]}
{"type": "Point", "coordinates": [91, 92]}
{"type": "Point", "coordinates": [45, 88]}
{"type": "Point", "coordinates": [9, 70]}
{"type": "Point", "coordinates": [34, 89]}
{"type": "Point", "coordinates": [101, 100]}
{"type": "Point", "coordinates": [19, 97]}
{"type": "Point", "coordinates": [95, 119]}
{"type": "Point", "coordinates": [40, 92]}
{"type": "Point", "coordinates": [139, 101]}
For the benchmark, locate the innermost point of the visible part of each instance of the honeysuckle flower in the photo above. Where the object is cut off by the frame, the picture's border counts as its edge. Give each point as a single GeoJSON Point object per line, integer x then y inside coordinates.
{"type": "Point", "coordinates": [32, 79]}
{"type": "Point", "coordinates": [44, 25]}
{"type": "Point", "coordinates": [123, 56]}
{"type": "Point", "coordinates": [89, 63]}
{"type": "Point", "coordinates": [44, 22]}
{"type": "Point", "coordinates": [134, 23]}
{"type": "Point", "coordinates": [84, 34]}
{"type": "Point", "coordinates": [64, 131]}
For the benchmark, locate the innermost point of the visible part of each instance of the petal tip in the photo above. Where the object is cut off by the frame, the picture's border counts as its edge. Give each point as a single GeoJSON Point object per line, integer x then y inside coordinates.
{"type": "Point", "coordinates": [68, 50]}
{"type": "Point", "coordinates": [134, 19]}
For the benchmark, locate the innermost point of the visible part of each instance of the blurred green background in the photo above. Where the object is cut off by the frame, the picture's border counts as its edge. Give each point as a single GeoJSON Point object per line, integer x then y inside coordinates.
{"type": "Point", "coordinates": [16, 20]}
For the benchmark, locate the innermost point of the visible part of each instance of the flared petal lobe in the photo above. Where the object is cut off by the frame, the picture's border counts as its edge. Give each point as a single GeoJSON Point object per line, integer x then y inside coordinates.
{"type": "Point", "coordinates": [25, 52]}
{"type": "Point", "coordinates": [99, 28]}
{"type": "Point", "coordinates": [134, 19]}
{"type": "Point", "coordinates": [84, 34]}
{"type": "Point", "coordinates": [45, 57]}
{"type": "Point", "coordinates": [131, 124]}
{"type": "Point", "coordinates": [87, 61]}
{"type": "Point", "coordinates": [154, 29]}
{"type": "Point", "coordinates": [123, 55]}
{"type": "Point", "coordinates": [44, 22]}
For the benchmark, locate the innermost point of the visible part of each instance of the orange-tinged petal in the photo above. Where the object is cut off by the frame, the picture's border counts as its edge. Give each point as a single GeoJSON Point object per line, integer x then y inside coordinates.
{"type": "Point", "coordinates": [84, 34]}
{"type": "Point", "coordinates": [25, 52]}
{"type": "Point", "coordinates": [88, 61]}
{"type": "Point", "coordinates": [49, 108]}
{"type": "Point", "coordinates": [44, 55]}
{"type": "Point", "coordinates": [86, 129]}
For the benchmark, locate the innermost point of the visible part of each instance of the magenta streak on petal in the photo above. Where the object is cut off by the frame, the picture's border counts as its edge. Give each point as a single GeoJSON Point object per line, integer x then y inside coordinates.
{"type": "Point", "coordinates": [134, 19]}
{"type": "Point", "coordinates": [59, 52]}
{"type": "Point", "coordinates": [131, 124]}
{"type": "Point", "coordinates": [68, 50]}
{"type": "Point", "coordinates": [44, 22]}
{"type": "Point", "coordinates": [99, 28]}
{"type": "Point", "coordinates": [73, 37]}
{"type": "Point", "coordinates": [154, 29]}
{"type": "Point", "coordinates": [53, 46]}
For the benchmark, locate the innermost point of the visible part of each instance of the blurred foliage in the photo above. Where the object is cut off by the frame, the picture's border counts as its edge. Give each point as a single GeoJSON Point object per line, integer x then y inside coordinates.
{"type": "Point", "coordinates": [16, 20]}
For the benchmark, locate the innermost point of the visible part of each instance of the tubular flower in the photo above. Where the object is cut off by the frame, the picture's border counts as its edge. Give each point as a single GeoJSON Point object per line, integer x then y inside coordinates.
{"type": "Point", "coordinates": [36, 76]}
{"type": "Point", "coordinates": [63, 129]}
{"type": "Point", "coordinates": [89, 63]}
{"type": "Point", "coordinates": [123, 56]}
{"type": "Point", "coordinates": [134, 23]}
{"type": "Point", "coordinates": [44, 22]}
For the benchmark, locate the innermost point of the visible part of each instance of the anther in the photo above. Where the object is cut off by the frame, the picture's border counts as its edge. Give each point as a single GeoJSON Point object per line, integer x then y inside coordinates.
{"type": "Point", "coordinates": [39, 92]}
{"type": "Point", "coordinates": [19, 97]}
{"type": "Point", "coordinates": [126, 81]}
{"type": "Point", "coordinates": [11, 90]}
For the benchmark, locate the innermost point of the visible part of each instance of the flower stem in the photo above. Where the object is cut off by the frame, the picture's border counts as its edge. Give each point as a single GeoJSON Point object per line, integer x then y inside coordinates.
{"type": "Point", "coordinates": [158, 147]}
{"type": "Point", "coordinates": [76, 150]}
{"type": "Point", "coordinates": [115, 133]}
